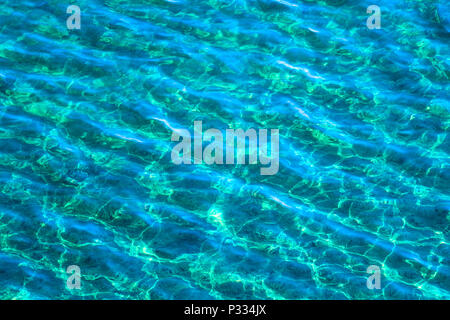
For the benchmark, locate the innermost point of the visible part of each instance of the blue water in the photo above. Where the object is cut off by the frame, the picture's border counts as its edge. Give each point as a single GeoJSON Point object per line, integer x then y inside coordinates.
{"type": "Point", "coordinates": [87, 179]}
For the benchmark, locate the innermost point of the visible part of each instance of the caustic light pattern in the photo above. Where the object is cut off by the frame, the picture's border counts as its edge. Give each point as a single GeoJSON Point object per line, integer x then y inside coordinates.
{"type": "Point", "coordinates": [92, 206]}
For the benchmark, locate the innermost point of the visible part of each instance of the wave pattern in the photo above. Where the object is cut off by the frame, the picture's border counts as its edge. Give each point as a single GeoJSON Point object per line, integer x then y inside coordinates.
{"type": "Point", "coordinates": [86, 118]}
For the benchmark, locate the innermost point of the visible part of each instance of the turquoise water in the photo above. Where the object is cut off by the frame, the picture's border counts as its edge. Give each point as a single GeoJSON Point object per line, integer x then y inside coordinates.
{"type": "Point", "coordinates": [86, 118]}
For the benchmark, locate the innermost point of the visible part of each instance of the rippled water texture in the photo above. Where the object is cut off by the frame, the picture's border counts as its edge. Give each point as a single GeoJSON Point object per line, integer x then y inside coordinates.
{"type": "Point", "coordinates": [86, 177]}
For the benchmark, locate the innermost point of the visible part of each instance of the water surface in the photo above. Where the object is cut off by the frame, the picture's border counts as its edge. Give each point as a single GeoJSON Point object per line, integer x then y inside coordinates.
{"type": "Point", "coordinates": [86, 178]}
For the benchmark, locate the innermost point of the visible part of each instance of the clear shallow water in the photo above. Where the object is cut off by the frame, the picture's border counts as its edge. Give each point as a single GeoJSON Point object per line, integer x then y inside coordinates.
{"type": "Point", "coordinates": [87, 179]}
